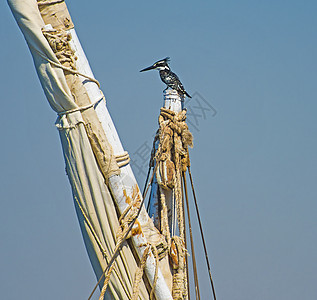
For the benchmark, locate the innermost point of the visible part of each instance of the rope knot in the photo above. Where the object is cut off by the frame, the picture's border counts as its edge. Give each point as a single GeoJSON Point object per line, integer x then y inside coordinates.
{"type": "Point", "coordinates": [58, 40]}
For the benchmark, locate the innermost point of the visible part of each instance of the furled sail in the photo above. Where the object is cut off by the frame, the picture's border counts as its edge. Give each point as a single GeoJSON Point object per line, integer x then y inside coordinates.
{"type": "Point", "coordinates": [96, 163]}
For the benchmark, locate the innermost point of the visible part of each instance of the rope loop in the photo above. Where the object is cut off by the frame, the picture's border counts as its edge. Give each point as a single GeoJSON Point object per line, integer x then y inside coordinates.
{"type": "Point", "coordinates": [123, 159]}
{"type": "Point", "coordinates": [66, 112]}
{"type": "Point", "coordinates": [171, 157]}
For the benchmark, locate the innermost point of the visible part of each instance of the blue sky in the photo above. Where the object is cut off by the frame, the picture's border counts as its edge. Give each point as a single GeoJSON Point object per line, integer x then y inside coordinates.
{"type": "Point", "coordinates": [254, 161]}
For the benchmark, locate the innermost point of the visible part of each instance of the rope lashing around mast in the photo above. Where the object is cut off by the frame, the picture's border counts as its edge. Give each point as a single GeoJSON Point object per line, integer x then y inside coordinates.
{"type": "Point", "coordinates": [47, 2]}
{"type": "Point", "coordinates": [172, 153]}
{"type": "Point", "coordinates": [178, 255]}
{"type": "Point", "coordinates": [81, 108]}
{"type": "Point", "coordinates": [171, 157]}
{"type": "Point", "coordinates": [122, 159]}
{"type": "Point", "coordinates": [59, 42]}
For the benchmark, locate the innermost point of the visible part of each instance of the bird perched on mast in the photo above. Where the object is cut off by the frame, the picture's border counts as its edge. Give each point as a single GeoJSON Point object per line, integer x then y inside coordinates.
{"type": "Point", "coordinates": [168, 77]}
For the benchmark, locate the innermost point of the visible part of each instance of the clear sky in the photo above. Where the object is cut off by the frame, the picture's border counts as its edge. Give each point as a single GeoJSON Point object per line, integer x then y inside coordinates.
{"type": "Point", "coordinates": [253, 64]}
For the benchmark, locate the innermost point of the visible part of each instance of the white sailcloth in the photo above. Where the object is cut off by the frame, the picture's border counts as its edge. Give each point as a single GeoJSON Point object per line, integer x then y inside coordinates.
{"type": "Point", "coordinates": [94, 204]}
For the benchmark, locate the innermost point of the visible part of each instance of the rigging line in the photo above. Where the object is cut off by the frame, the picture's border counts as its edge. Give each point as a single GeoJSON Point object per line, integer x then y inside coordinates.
{"type": "Point", "coordinates": [202, 234]}
{"type": "Point", "coordinates": [115, 254]}
{"type": "Point", "coordinates": [151, 164]}
{"type": "Point", "coordinates": [174, 214]}
{"type": "Point", "coordinates": [59, 65]}
{"type": "Point", "coordinates": [186, 257]}
{"type": "Point", "coordinates": [147, 178]}
{"type": "Point", "coordinates": [144, 192]}
{"type": "Point", "coordinates": [197, 292]}
{"type": "Point", "coordinates": [146, 181]}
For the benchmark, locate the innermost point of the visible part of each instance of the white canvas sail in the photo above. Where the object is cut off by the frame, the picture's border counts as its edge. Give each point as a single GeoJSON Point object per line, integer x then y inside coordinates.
{"type": "Point", "coordinates": [79, 127]}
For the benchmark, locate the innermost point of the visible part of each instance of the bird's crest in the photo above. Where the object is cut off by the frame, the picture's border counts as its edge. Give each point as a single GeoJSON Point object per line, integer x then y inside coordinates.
{"type": "Point", "coordinates": [166, 59]}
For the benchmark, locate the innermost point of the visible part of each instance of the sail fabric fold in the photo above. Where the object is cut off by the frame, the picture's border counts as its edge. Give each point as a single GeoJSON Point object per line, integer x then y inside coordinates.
{"type": "Point", "coordinates": [51, 77]}
{"type": "Point", "coordinates": [96, 214]}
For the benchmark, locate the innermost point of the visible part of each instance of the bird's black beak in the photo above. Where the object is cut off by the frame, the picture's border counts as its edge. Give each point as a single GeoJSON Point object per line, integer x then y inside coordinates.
{"type": "Point", "coordinates": [148, 69]}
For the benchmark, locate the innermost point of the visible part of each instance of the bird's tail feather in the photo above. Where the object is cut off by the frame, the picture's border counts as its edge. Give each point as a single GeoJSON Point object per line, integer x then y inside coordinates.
{"type": "Point", "coordinates": [189, 96]}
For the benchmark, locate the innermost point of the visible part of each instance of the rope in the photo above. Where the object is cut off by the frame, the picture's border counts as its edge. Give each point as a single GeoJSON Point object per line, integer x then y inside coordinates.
{"type": "Point", "coordinates": [139, 273]}
{"type": "Point", "coordinates": [202, 234]}
{"type": "Point", "coordinates": [151, 164]}
{"type": "Point", "coordinates": [49, 2]}
{"type": "Point", "coordinates": [123, 233]}
{"type": "Point", "coordinates": [65, 55]}
{"type": "Point", "coordinates": [123, 156]}
{"type": "Point", "coordinates": [68, 69]}
{"type": "Point", "coordinates": [156, 255]}
{"type": "Point", "coordinates": [102, 249]}
{"type": "Point", "coordinates": [164, 217]}
{"type": "Point", "coordinates": [80, 108]}
{"type": "Point", "coordinates": [172, 158]}
{"type": "Point", "coordinates": [186, 258]}
{"type": "Point", "coordinates": [197, 292]}
{"type": "Point", "coordinates": [119, 245]}
{"type": "Point", "coordinates": [107, 278]}
{"type": "Point", "coordinates": [122, 159]}
{"type": "Point", "coordinates": [178, 255]}
{"type": "Point", "coordinates": [145, 185]}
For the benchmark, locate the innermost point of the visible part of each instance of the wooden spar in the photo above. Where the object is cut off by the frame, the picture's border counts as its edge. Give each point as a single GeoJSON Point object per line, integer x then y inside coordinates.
{"type": "Point", "coordinates": [173, 101]}
{"type": "Point", "coordinates": [126, 180]}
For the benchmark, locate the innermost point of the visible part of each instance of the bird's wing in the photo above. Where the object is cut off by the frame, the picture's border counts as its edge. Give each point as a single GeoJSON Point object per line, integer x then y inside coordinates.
{"type": "Point", "coordinates": [180, 86]}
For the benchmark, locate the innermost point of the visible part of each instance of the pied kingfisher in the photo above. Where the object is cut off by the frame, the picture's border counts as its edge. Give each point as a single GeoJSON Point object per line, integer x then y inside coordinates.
{"type": "Point", "coordinates": [168, 77]}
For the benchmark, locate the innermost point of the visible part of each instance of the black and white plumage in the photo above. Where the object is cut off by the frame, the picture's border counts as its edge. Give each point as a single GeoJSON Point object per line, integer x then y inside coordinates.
{"type": "Point", "coordinates": [168, 77]}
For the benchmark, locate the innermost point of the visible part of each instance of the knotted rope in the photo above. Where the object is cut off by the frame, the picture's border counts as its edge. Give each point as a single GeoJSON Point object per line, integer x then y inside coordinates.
{"type": "Point", "coordinates": [58, 40]}
{"type": "Point", "coordinates": [172, 159]}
